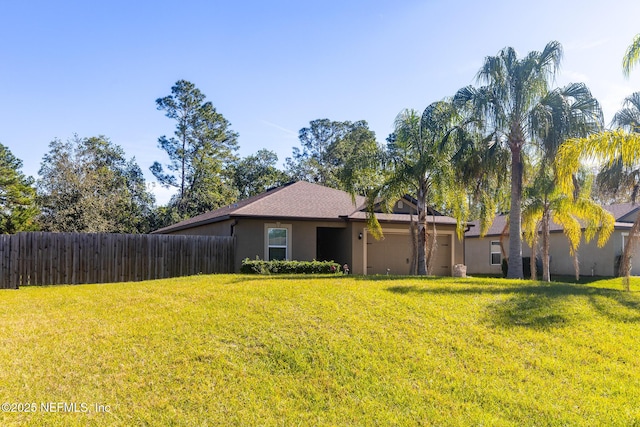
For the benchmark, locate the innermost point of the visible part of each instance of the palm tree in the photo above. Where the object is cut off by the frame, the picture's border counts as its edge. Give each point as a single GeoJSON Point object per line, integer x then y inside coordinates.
{"type": "Point", "coordinates": [628, 117]}
{"type": "Point", "coordinates": [631, 56]}
{"type": "Point", "coordinates": [481, 167]}
{"type": "Point", "coordinates": [567, 112]}
{"type": "Point", "coordinates": [619, 177]}
{"type": "Point", "coordinates": [419, 153]}
{"type": "Point", "coordinates": [615, 178]}
{"type": "Point", "coordinates": [571, 211]}
{"type": "Point", "coordinates": [611, 147]}
{"type": "Point", "coordinates": [513, 88]}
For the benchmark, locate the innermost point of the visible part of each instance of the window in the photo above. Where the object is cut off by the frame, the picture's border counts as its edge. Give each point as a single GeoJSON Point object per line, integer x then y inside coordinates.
{"type": "Point", "coordinates": [496, 253]}
{"type": "Point", "coordinates": [277, 241]}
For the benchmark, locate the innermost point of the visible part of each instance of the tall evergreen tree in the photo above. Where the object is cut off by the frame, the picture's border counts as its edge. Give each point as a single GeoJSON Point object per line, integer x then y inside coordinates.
{"type": "Point", "coordinates": [17, 195]}
{"type": "Point", "coordinates": [201, 152]}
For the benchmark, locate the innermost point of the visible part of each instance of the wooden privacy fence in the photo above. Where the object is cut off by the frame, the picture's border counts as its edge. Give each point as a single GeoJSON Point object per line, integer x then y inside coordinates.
{"type": "Point", "coordinates": [72, 258]}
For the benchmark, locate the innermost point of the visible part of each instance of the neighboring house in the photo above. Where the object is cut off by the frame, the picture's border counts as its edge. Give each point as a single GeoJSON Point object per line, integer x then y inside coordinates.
{"type": "Point", "coordinates": [304, 221]}
{"type": "Point", "coordinates": [483, 255]}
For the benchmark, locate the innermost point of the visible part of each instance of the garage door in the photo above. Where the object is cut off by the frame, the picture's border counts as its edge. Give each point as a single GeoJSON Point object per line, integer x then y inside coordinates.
{"type": "Point", "coordinates": [393, 255]}
{"type": "Point", "coordinates": [442, 258]}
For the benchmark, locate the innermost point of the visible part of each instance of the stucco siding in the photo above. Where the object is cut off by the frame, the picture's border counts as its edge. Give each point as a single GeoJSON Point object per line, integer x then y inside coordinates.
{"type": "Point", "coordinates": [478, 256]}
{"type": "Point", "coordinates": [351, 248]}
{"type": "Point", "coordinates": [222, 228]}
{"type": "Point", "coordinates": [250, 235]}
{"type": "Point", "coordinates": [592, 259]}
{"type": "Point", "coordinates": [358, 235]}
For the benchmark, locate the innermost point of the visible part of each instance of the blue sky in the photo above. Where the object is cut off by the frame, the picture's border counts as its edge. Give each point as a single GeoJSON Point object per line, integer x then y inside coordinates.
{"type": "Point", "coordinates": [96, 68]}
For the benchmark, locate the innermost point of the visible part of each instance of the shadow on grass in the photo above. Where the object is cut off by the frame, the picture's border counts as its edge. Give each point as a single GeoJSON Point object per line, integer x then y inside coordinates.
{"type": "Point", "coordinates": [517, 303]}
{"type": "Point", "coordinates": [537, 306]}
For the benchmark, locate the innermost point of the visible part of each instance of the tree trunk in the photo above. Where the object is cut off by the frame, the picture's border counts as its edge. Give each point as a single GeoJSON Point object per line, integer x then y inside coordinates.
{"type": "Point", "coordinates": [422, 233]}
{"type": "Point", "coordinates": [432, 246]}
{"type": "Point", "coordinates": [534, 252]}
{"type": "Point", "coordinates": [414, 247]}
{"type": "Point", "coordinates": [625, 261]}
{"type": "Point", "coordinates": [546, 276]}
{"type": "Point", "coordinates": [183, 168]}
{"type": "Point", "coordinates": [515, 215]}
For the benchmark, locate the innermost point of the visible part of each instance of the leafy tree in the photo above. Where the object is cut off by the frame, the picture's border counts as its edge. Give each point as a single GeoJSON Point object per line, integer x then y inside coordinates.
{"type": "Point", "coordinates": [419, 152]}
{"type": "Point", "coordinates": [201, 152]}
{"type": "Point", "coordinates": [513, 88]}
{"type": "Point", "coordinates": [87, 185]}
{"type": "Point", "coordinates": [17, 195]}
{"type": "Point", "coordinates": [631, 56]}
{"type": "Point", "coordinates": [257, 173]}
{"type": "Point", "coordinates": [332, 155]}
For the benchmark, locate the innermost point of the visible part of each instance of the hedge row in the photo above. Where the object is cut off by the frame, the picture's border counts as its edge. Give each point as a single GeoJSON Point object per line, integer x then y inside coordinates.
{"type": "Point", "coordinates": [257, 266]}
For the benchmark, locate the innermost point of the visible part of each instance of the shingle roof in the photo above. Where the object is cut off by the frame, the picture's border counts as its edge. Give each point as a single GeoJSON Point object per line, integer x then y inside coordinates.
{"type": "Point", "coordinates": [621, 212]}
{"type": "Point", "coordinates": [301, 200]}
{"type": "Point", "coordinates": [298, 200]}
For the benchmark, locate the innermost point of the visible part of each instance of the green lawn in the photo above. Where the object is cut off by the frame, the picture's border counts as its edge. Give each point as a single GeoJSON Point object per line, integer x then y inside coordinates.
{"type": "Point", "coordinates": [282, 351]}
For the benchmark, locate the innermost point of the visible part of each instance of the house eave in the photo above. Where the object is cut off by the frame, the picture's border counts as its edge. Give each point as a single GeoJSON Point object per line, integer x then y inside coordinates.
{"type": "Point", "coordinates": [175, 228]}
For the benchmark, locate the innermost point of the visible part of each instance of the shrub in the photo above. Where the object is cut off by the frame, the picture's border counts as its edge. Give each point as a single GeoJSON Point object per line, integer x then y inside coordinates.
{"type": "Point", "coordinates": [258, 266]}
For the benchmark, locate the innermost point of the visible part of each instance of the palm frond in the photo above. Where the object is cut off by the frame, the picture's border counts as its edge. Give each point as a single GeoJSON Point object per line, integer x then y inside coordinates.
{"type": "Point", "coordinates": [551, 56]}
{"type": "Point", "coordinates": [628, 117]}
{"type": "Point", "coordinates": [631, 56]}
{"type": "Point", "coordinates": [603, 146]}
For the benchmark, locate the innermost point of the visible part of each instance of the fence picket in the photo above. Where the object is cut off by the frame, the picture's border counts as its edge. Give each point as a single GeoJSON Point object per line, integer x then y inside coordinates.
{"type": "Point", "coordinates": [38, 258]}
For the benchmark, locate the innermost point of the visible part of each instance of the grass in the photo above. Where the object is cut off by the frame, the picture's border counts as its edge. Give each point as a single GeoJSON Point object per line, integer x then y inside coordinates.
{"type": "Point", "coordinates": [280, 351]}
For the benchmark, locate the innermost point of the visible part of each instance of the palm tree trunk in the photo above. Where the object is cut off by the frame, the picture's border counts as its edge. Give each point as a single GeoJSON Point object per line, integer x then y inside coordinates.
{"type": "Point", "coordinates": [432, 245]}
{"type": "Point", "coordinates": [515, 215]}
{"type": "Point", "coordinates": [422, 233]}
{"type": "Point", "coordinates": [414, 247]}
{"type": "Point", "coordinates": [534, 252]}
{"type": "Point", "coordinates": [625, 262]}
{"type": "Point", "coordinates": [546, 274]}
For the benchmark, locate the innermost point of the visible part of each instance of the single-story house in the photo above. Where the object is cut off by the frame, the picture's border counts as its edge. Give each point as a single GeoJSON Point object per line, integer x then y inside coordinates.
{"type": "Point", "coordinates": [304, 221]}
{"type": "Point", "coordinates": [483, 255]}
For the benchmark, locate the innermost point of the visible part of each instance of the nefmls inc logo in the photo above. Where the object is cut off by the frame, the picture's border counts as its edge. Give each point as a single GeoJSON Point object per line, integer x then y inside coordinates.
{"type": "Point", "coordinates": [64, 407]}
